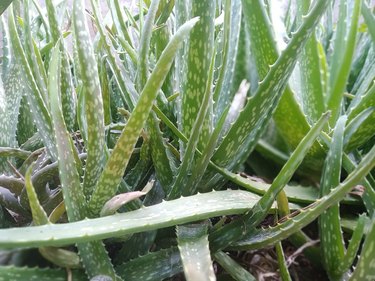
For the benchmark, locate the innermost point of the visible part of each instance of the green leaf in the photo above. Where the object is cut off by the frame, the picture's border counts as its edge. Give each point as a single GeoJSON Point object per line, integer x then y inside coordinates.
{"type": "Point", "coordinates": [195, 253]}
{"type": "Point", "coordinates": [165, 264]}
{"type": "Point", "coordinates": [235, 230]}
{"type": "Point", "coordinates": [4, 5]}
{"type": "Point", "coordinates": [310, 70]}
{"type": "Point", "coordinates": [252, 121]}
{"type": "Point", "coordinates": [332, 242]}
{"type": "Point", "coordinates": [365, 269]}
{"type": "Point", "coordinates": [369, 19]}
{"type": "Point", "coordinates": [92, 98]}
{"type": "Point", "coordinates": [36, 101]}
{"type": "Point", "coordinates": [38, 274]}
{"type": "Point", "coordinates": [232, 267]}
{"type": "Point", "coordinates": [117, 163]}
{"type": "Point", "coordinates": [198, 61]}
{"type": "Point", "coordinates": [265, 237]}
{"type": "Point", "coordinates": [165, 214]}
{"type": "Point", "coordinates": [94, 256]}
{"type": "Point", "coordinates": [342, 67]}
{"type": "Point", "coordinates": [180, 186]}
{"type": "Point", "coordinates": [354, 244]}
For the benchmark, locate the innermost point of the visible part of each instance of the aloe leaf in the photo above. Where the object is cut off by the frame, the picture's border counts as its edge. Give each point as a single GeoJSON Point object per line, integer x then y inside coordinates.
{"type": "Point", "coordinates": [10, 98]}
{"type": "Point", "coordinates": [165, 214]}
{"type": "Point", "coordinates": [13, 184]}
{"type": "Point", "coordinates": [265, 237]}
{"type": "Point", "coordinates": [38, 274]}
{"type": "Point", "coordinates": [25, 126]}
{"type": "Point", "coordinates": [128, 92]}
{"type": "Point", "coordinates": [232, 267]}
{"type": "Point", "coordinates": [353, 246]}
{"type": "Point", "coordinates": [94, 256]}
{"type": "Point", "coordinates": [68, 98]}
{"type": "Point", "coordinates": [162, 160]}
{"type": "Point", "coordinates": [369, 19]}
{"type": "Point", "coordinates": [310, 71]}
{"type": "Point", "coordinates": [144, 45]}
{"type": "Point", "coordinates": [364, 269]}
{"type": "Point", "coordinates": [4, 5]}
{"type": "Point", "coordinates": [39, 215]}
{"type": "Point", "coordinates": [232, 24]}
{"type": "Point", "coordinates": [259, 108]}
{"type": "Point", "coordinates": [332, 242]}
{"type": "Point", "coordinates": [199, 57]}
{"type": "Point", "coordinates": [204, 160]}
{"type": "Point", "coordinates": [33, 55]}
{"type": "Point", "coordinates": [6, 51]}
{"type": "Point", "coordinates": [38, 107]}
{"type": "Point", "coordinates": [195, 253]}
{"type": "Point", "coordinates": [289, 118]}
{"type": "Point", "coordinates": [165, 263]}
{"type": "Point", "coordinates": [116, 164]}
{"type": "Point", "coordinates": [359, 130]}
{"type": "Point", "coordinates": [93, 99]}
{"type": "Point", "coordinates": [179, 186]}
{"type": "Point", "coordinates": [338, 82]}
{"type": "Point", "coordinates": [9, 201]}
{"type": "Point", "coordinates": [14, 152]}
{"type": "Point", "coordinates": [236, 229]}
{"type": "Point", "coordinates": [60, 257]}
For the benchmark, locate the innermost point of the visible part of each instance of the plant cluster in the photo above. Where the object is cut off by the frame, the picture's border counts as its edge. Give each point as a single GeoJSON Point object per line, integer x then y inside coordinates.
{"type": "Point", "coordinates": [127, 137]}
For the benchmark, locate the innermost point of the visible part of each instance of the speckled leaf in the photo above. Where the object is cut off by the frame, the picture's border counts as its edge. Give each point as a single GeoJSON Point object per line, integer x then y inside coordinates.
{"type": "Point", "coordinates": [338, 81]}
{"type": "Point", "coordinates": [38, 274]}
{"type": "Point", "coordinates": [289, 118]}
{"type": "Point", "coordinates": [354, 244]}
{"type": "Point", "coordinates": [36, 102]}
{"type": "Point", "coordinates": [233, 231]}
{"type": "Point", "coordinates": [117, 162]}
{"type": "Point", "coordinates": [180, 186]}
{"type": "Point", "coordinates": [93, 99]}
{"type": "Point", "coordinates": [94, 256]}
{"type": "Point", "coordinates": [10, 98]}
{"type": "Point", "coordinates": [144, 45]}
{"type": "Point", "coordinates": [5, 49]}
{"type": "Point", "coordinates": [128, 92]}
{"type": "Point", "coordinates": [162, 160]}
{"type": "Point", "coordinates": [232, 23]}
{"type": "Point", "coordinates": [260, 238]}
{"type": "Point", "coordinates": [194, 83]}
{"type": "Point", "coordinates": [154, 266]}
{"type": "Point", "coordinates": [68, 97]}
{"type": "Point", "coordinates": [25, 126]}
{"type": "Point", "coordinates": [332, 242]}
{"type": "Point", "coordinates": [252, 121]}
{"type": "Point", "coordinates": [165, 214]}
{"type": "Point", "coordinates": [365, 269]}
{"type": "Point", "coordinates": [195, 253]}
{"type": "Point", "coordinates": [311, 81]}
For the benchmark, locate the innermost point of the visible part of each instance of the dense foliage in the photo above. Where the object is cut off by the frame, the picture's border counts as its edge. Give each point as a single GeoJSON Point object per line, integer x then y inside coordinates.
{"type": "Point", "coordinates": [151, 139]}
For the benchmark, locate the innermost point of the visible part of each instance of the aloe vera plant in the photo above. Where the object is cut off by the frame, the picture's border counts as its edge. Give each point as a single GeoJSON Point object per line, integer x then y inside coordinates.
{"type": "Point", "coordinates": [146, 142]}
